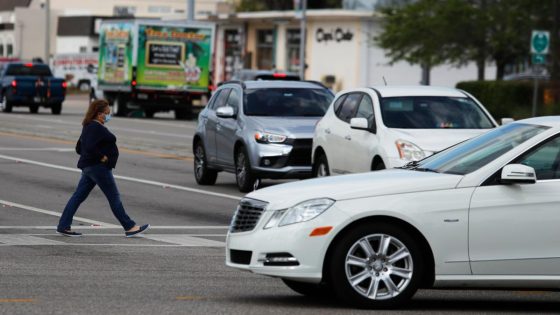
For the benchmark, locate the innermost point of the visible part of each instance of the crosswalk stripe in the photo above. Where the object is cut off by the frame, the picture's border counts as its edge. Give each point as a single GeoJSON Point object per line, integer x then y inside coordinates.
{"type": "Point", "coordinates": [174, 240]}
{"type": "Point", "coordinates": [184, 240]}
{"type": "Point", "coordinates": [26, 240]}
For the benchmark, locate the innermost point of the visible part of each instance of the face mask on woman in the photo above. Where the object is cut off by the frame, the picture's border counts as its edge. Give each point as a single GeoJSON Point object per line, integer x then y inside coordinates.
{"type": "Point", "coordinates": [107, 117]}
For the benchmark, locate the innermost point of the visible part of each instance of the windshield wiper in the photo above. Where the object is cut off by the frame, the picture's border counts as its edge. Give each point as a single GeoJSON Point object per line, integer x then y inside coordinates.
{"type": "Point", "coordinates": [425, 169]}
{"type": "Point", "coordinates": [409, 165]}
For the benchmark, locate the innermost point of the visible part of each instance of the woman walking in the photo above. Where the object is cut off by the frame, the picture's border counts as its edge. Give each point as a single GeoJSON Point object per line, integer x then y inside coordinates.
{"type": "Point", "coordinates": [98, 156]}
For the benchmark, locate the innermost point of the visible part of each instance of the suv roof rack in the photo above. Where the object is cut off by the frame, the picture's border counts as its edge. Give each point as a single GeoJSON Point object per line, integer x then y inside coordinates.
{"type": "Point", "coordinates": [232, 82]}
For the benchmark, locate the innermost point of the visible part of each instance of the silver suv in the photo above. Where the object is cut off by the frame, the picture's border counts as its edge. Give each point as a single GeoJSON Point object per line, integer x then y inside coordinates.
{"type": "Point", "coordinates": [258, 129]}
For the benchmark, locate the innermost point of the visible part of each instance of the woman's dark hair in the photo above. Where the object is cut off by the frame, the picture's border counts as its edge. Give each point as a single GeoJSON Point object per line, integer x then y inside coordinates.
{"type": "Point", "coordinates": [95, 107]}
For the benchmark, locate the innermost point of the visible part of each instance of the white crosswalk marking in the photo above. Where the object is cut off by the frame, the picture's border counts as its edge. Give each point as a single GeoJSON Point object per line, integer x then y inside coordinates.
{"type": "Point", "coordinates": [163, 240]}
{"type": "Point", "coordinates": [26, 240]}
{"type": "Point", "coordinates": [184, 240]}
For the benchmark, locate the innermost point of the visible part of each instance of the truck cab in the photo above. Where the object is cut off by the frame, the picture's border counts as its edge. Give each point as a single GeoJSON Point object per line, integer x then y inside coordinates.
{"type": "Point", "coordinates": [30, 85]}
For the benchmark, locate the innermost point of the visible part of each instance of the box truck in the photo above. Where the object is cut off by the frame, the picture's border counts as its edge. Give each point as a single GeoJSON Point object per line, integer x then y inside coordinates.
{"type": "Point", "coordinates": [154, 65]}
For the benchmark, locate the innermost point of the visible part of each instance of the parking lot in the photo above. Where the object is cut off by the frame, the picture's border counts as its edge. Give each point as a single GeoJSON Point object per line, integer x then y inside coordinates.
{"type": "Point", "coordinates": [175, 268]}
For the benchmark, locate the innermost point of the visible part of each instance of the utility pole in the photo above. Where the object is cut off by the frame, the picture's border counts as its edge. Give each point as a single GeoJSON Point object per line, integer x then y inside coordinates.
{"type": "Point", "coordinates": [190, 10]}
{"type": "Point", "coordinates": [302, 39]}
{"type": "Point", "coordinates": [47, 30]}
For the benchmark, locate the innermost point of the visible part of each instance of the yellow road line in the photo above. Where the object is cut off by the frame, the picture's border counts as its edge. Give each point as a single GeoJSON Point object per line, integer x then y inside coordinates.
{"type": "Point", "coordinates": [17, 300]}
{"type": "Point", "coordinates": [129, 151]}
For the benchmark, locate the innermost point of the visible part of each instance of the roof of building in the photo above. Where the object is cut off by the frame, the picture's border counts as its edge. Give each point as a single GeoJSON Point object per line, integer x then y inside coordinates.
{"type": "Point", "coordinates": [10, 5]}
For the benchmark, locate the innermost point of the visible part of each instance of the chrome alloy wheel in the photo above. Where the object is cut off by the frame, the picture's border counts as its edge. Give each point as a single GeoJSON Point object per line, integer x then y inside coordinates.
{"type": "Point", "coordinates": [199, 163]}
{"type": "Point", "coordinates": [322, 170]}
{"type": "Point", "coordinates": [381, 273]}
{"type": "Point", "coordinates": [240, 167]}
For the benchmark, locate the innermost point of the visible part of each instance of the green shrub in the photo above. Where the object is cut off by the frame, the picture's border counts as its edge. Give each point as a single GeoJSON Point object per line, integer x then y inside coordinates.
{"type": "Point", "coordinates": [510, 98]}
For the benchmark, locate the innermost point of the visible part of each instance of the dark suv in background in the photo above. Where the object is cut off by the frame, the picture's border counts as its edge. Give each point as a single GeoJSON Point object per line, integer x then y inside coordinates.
{"type": "Point", "coordinates": [258, 129]}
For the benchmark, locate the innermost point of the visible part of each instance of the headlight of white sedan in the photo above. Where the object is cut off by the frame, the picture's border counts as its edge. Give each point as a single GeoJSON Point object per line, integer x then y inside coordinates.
{"type": "Point", "coordinates": [409, 151]}
{"type": "Point", "coordinates": [301, 212]}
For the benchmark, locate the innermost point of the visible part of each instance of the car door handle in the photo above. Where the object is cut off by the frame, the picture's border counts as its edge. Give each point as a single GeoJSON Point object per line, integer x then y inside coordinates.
{"type": "Point", "coordinates": [348, 137]}
{"type": "Point", "coordinates": [328, 131]}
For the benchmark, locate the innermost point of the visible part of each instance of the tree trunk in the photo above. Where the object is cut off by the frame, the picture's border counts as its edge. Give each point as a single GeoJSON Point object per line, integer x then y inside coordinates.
{"type": "Point", "coordinates": [554, 43]}
{"type": "Point", "coordinates": [426, 68]}
{"type": "Point", "coordinates": [500, 70]}
{"type": "Point", "coordinates": [481, 64]}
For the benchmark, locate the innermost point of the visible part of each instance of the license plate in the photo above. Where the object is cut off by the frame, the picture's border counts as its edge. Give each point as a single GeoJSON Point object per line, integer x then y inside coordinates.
{"type": "Point", "coordinates": [37, 99]}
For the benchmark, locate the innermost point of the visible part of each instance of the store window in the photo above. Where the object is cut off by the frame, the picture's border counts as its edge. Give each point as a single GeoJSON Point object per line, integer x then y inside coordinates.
{"type": "Point", "coordinates": [292, 47]}
{"type": "Point", "coordinates": [265, 49]}
{"type": "Point", "coordinates": [9, 50]}
{"type": "Point", "coordinates": [1, 50]}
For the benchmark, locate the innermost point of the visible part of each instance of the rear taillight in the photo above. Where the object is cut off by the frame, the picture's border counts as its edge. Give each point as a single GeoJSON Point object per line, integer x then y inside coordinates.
{"type": "Point", "coordinates": [14, 83]}
{"type": "Point", "coordinates": [279, 75]}
{"type": "Point", "coordinates": [64, 84]}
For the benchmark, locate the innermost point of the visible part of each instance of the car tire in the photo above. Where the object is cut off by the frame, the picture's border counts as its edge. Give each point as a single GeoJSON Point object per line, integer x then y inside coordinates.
{"type": "Point", "coordinates": [56, 109]}
{"type": "Point", "coordinates": [380, 278]}
{"type": "Point", "coordinates": [377, 165]}
{"type": "Point", "coordinates": [84, 86]}
{"type": "Point", "coordinates": [243, 175]}
{"type": "Point", "coordinates": [202, 174]}
{"type": "Point", "coordinates": [6, 106]}
{"type": "Point", "coordinates": [34, 109]}
{"type": "Point", "coordinates": [120, 108]}
{"type": "Point", "coordinates": [182, 114]}
{"type": "Point", "coordinates": [321, 167]}
{"type": "Point", "coordinates": [149, 113]}
{"type": "Point", "coordinates": [312, 290]}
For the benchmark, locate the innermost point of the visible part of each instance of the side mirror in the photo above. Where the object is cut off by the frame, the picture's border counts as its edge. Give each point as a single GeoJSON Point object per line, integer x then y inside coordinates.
{"type": "Point", "coordinates": [518, 174]}
{"type": "Point", "coordinates": [506, 121]}
{"type": "Point", "coordinates": [360, 123]}
{"type": "Point", "coordinates": [225, 112]}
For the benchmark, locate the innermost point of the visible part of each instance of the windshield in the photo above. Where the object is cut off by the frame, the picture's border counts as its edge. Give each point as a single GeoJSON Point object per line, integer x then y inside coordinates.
{"type": "Point", "coordinates": [286, 102]}
{"type": "Point", "coordinates": [28, 70]}
{"type": "Point", "coordinates": [473, 154]}
{"type": "Point", "coordinates": [429, 112]}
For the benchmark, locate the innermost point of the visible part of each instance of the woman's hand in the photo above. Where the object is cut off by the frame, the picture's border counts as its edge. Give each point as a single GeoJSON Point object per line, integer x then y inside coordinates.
{"type": "Point", "coordinates": [104, 159]}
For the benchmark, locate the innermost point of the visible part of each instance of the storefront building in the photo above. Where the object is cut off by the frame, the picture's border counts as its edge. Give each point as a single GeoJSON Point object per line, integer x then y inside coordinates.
{"type": "Point", "coordinates": [340, 50]}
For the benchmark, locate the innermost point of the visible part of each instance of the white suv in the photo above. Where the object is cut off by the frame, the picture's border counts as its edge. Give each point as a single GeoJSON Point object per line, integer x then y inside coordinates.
{"type": "Point", "coordinates": [382, 127]}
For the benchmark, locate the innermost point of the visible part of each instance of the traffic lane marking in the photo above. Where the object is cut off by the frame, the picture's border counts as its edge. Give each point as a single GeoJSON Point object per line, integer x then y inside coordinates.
{"type": "Point", "coordinates": [131, 130]}
{"type": "Point", "coordinates": [125, 178]}
{"type": "Point", "coordinates": [37, 149]}
{"type": "Point", "coordinates": [98, 227]}
{"type": "Point", "coordinates": [53, 213]}
{"type": "Point", "coordinates": [17, 300]}
{"type": "Point", "coordinates": [73, 143]}
{"type": "Point", "coordinates": [153, 240]}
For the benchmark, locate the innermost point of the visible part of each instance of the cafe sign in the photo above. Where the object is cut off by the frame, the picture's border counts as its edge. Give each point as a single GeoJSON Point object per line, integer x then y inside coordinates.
{"type": "Point", "coordinates": [333, 35]}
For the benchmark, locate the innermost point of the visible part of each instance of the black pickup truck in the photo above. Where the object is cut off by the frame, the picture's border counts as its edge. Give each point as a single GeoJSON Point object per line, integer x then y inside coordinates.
{"type": "Point", "coordinates": [30, 85]}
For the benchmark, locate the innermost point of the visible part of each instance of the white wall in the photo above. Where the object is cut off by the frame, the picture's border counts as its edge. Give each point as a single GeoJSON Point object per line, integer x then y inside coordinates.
{"type": "Point", "coordinates": [72, 44]}
{"type": "Point", "coordinates": [340, 59]}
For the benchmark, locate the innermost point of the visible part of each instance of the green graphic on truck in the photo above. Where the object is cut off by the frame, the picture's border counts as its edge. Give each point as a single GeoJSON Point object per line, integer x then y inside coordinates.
{"type": "Point", "coordinates": [173, 57]}
{"type": "Point", "coordinates": [115, 58]}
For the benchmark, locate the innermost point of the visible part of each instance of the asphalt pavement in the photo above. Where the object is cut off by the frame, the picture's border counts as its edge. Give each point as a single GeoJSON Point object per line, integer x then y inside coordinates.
{"type": "Point", "coordinates": [178, 266]}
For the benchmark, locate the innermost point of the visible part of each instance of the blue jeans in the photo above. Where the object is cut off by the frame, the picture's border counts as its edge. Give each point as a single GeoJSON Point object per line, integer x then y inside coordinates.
{"type": "Point", "coordinates": [103, 177]}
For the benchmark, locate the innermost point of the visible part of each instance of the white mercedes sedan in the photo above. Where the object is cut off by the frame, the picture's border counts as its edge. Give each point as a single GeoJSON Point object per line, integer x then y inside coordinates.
{"type": "Point", "coordinates": [483, 214]}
